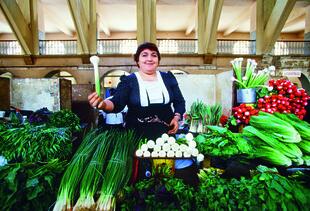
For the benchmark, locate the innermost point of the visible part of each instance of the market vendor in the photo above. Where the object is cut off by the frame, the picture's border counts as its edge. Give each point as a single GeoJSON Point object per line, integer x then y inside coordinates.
{"type": "Point", "coordinates": [154, 100]}
{"type": "Point", "coordinates": [149, 95]}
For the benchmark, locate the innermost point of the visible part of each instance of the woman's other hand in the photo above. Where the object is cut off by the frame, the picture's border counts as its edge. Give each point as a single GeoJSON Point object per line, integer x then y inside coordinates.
{"type": "Point", "coordinates": [174, 125]}
{"type": "Point", "coordinates": [96, 101]}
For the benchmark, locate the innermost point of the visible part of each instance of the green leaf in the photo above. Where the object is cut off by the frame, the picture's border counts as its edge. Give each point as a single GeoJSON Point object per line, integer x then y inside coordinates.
{"type": "Point", "coordinates": [32, 182]}
{"type": "Point", "coordinates": [277, 186]}
{"type": "Point", "coordinates": [34, 192]}
{"type": "Point", "coordinates": [11, 178]}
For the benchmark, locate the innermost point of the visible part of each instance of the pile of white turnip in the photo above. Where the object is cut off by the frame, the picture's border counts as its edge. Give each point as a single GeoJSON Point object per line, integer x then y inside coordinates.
{"type": "Point", "coordinates": [169, 147]}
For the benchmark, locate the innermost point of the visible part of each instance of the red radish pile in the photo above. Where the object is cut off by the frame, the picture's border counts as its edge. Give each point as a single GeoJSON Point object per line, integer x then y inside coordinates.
{"type": "Point", "coordinates": [285, 98]}
{"type": "Point", "coordinates": [243, 113]}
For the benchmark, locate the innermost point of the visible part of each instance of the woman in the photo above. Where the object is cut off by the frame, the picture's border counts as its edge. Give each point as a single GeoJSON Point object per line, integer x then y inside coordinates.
{"type": "Point", "coordinates": [149, 95]}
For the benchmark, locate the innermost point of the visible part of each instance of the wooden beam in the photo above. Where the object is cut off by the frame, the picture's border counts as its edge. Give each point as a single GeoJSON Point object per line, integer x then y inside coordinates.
{"type": "Point", "coordinates": [209, 12]}
{"type": "Point", "coordinates": [278, 17]}
{"type": "Point", "coordinates": [214, 14]}
{"type": "Point", "coordinates": [80, 21]}
{"type": "Point", "coordinates": [18, 24]}
{"type": "Point", "coordinates": [259, 26]}
{"type": "Point", "coordinates": [92, 27]}
{"type": "Point", "coordinates": [146, 21]}
{"type": "Point", "coordinates": [34, 26]}
{"type": "Point", "coordinates": [242, 17]}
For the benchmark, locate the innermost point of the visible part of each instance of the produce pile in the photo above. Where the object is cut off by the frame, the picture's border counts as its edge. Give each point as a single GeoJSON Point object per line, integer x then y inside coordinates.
{"type": "Point", "coordinates": [33, 157]}
{"type": "Point", "coordinates": [201, 115]}
{"type": "Point", "coordinates": [284, 97]}
{"type": "Point", "coordinates": [281, 139]}
{"type": "Point", "coordinates": [221, 142]}
{"type": "Point", "coordinates": [98, 170]}
{"type": "Point", "coordinates": [265, 189]}
{"type": "Point", "coordinates": [169, 147]}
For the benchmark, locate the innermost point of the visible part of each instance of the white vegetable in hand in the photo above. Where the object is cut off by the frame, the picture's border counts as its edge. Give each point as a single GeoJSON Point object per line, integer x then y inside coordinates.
{"type": "Point", "coordinates": [200, 157]}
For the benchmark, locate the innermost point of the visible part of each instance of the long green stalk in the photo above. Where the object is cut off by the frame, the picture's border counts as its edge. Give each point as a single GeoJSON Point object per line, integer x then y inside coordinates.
{"type": "Point", "coordinates": [74, 172]}
{"type": "Point", "coordinates": [93, 173]}
{"type": "Point", "coordinates": [118, 171]}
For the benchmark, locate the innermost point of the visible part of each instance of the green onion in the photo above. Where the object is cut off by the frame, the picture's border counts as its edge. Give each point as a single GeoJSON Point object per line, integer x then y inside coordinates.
{"type": "Point", "coordinates": [93, 173]}
{"type": "Point", "coordinates": [118, 171]}
{"type": "Point", "coordinates": [74, 172]}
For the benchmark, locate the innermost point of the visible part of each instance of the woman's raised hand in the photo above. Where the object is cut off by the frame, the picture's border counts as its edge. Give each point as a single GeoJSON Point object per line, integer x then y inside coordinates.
{"type": "Point", "coordinates": [96, 101]}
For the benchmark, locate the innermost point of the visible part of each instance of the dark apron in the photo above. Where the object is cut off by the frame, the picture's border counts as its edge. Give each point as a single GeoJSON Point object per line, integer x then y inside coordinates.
{"type": "Point", "coordinates": [149, 122]}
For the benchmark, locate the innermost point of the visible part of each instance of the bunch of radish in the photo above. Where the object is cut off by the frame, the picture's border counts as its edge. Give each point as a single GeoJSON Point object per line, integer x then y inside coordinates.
{"type": "Point", "coordinates": [243, 113]}
{"type": "Point", "coordinates": [285, 98]}
{"type": "Point", "coordinates": [169, 147]}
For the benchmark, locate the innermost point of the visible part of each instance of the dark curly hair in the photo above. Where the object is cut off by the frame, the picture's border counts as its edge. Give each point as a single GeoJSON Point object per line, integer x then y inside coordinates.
{"type": "Point", "coordinates": [142, 47]}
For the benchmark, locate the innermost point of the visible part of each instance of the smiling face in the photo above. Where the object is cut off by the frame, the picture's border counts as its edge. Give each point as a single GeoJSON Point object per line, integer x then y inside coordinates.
{"type": "Point", "coordinates": [148, 61]}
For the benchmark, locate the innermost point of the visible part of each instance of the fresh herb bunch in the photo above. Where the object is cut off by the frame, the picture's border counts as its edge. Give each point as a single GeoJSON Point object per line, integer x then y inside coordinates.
{"type": "Point", "coordinates": [265, 190]}
{"type": "Point", "coordinates": [65, 118]}
{"type": "Point", "coordinates": [161, 192]}
{"type": "Point", "coordinates": [221, 142]}
{"type": "Point", "coordinates": [35, 143]}
{"type": "Point", "coordinates": [250, 78]}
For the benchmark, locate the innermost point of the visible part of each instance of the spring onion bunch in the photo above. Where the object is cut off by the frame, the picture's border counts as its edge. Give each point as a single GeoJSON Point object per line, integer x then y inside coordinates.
{"type": "Point", "coordinates": [250, 78]}
{"type": "Point", "coordinates": [118, 170]}
{"type": "Point", "coordinates": [74, 172]}
{"type": "Point", "coordinates": [93, 173]}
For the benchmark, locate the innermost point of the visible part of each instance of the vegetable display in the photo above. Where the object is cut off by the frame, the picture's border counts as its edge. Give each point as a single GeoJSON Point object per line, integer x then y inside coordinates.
{"type": "Point", "coordinates": [250, 79]}
{"type": "Point", "coordinates": [102, 160]}
{"type": "Point", "coordinates": [168, 147]}
{"type": "Point", "coordinates": [35, 143]}
{"type": "Point", "coordinates": [243, 113]}
{"type": "Point", "coordinates": [276, 140]}
{"type": "Point", "coordinates": [221, 142]}
{"type": "Point", "coordinates": [285, 97]}
{"type": "Point", "coordinates": [201, 115]}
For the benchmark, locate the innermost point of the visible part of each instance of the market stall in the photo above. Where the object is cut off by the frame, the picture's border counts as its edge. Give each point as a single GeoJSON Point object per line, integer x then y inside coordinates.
{"type": "Point", "coordinates": [255, 159]}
